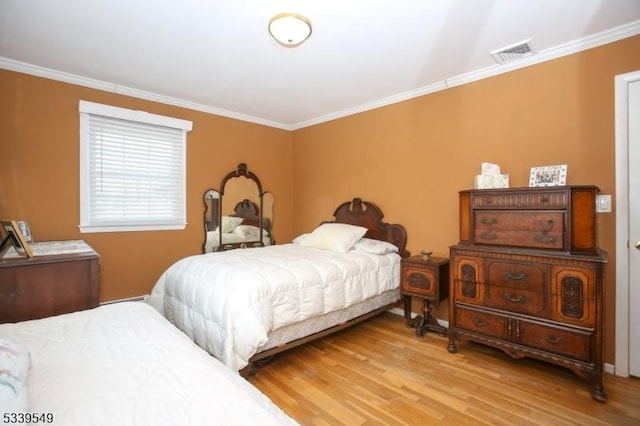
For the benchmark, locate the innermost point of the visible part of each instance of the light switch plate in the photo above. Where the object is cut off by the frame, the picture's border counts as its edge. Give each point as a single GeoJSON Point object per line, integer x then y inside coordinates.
{"type": "Point", "coordinates": [603, 203]}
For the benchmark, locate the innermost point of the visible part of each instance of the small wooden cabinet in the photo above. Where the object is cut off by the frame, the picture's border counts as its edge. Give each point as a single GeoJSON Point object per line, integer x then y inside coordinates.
{"type": "Point", "coordinates": [427, 279]}
{"type": "Point", "coordinates": [42, 286]}
{"type": "Point", "coordinates": [528, 278]}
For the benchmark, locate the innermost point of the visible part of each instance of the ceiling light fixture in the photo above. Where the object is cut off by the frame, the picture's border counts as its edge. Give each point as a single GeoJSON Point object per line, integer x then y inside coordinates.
{"type": "Point", "coordinates": [289, 29]}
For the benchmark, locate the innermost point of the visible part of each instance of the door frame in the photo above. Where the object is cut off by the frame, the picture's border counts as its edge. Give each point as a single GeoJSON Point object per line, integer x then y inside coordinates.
{"type": "Point", "coordinates": [622, 221]}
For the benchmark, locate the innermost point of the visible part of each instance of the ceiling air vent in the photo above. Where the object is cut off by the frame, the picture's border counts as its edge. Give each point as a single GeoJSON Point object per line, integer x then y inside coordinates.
{"type": "Point", "coordinates": [514, 52]}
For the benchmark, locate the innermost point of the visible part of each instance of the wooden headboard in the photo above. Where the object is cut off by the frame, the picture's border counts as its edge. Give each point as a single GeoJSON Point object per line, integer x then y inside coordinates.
{"type": "Point", "coordinates": [367, 214]}
{"type": "Point", "coordinates": [250, 212]}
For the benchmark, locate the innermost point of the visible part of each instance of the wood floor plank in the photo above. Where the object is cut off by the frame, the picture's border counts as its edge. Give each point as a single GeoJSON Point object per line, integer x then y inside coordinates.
{"type": "Point", "coordinates": [380, 373]}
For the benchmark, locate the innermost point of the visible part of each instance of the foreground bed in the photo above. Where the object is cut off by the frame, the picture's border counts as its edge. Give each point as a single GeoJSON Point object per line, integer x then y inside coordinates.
{"type": "Point", "coordinates": [120, 364]}
{"type": "Point", "coordinates": [245, 305]}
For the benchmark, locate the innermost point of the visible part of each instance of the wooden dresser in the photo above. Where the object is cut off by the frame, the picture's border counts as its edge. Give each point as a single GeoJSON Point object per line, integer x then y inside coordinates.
{"type": "Point", "coordinates": [527, 277]}
{"type": "Point", "coordinates": [46, 285]}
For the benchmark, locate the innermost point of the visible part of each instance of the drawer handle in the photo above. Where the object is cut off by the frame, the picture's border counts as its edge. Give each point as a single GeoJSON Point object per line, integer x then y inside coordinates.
{"type": "Point", "coordinates": [488, 236]}
{"type": "Point", "coordinates": [514, 299]}
{"type": "Point", "coordinates": [549, 226]}
{"type": "Point", "coordinates": [489, 220]}
{"type": "Point", "coordinates": [479, 322]}
{"type": "Point", "coordinates": [520, 277]}
{"type": "Point", "coordinates": [553, 340]}
{"type": "Point", "coordinates": [545, 239]}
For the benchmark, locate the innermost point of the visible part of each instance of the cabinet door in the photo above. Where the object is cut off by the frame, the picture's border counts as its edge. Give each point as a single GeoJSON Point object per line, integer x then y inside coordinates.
{"type": "Point", "coordinates": [573, 295]}
{"type": "Point", "coordinates": [466, 279]}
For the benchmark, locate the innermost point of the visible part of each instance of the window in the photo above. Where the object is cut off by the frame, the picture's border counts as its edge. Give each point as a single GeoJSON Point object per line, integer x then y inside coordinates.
{"type": "Point", "coordinates": [132, 170]}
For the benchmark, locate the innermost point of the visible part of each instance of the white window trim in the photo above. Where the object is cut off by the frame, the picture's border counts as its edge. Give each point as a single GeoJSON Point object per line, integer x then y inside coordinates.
{"type": "Point", "coordinates": [86, 108]}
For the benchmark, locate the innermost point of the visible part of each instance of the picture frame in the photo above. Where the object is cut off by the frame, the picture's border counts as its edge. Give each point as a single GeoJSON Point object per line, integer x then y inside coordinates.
{"type": "Point", "coordinates": [15, 237]}
{"type": "Point", "coordinates": [555, 175]}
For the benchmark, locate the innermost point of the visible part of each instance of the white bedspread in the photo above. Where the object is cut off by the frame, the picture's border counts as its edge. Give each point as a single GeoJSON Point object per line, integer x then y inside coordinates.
{"type": "Point", "coordinates": [124, 364]}
{"type": "Point", "coordinates": [228, 302]}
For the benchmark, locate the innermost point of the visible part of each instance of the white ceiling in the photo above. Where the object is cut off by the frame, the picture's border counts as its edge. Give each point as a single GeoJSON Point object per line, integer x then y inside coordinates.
{"type": "Point", "coordinates": [217, 55]}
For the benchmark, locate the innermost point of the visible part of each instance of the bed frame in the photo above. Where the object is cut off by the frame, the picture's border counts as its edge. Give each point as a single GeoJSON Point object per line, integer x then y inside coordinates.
{"type": "Point", "coordinates": [355, 212]}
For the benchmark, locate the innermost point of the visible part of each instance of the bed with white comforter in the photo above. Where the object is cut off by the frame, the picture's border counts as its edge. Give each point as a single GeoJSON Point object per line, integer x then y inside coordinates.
{"type": "Point", "coordinates": [229, 302]}
{"type": "Point", "coordinates": [120, 364]}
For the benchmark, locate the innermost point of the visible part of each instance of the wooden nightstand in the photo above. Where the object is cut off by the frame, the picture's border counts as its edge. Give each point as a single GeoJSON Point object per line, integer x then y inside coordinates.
{"type": "Point", "coordinates": [427, 279]}
{"type": "Point", "coordinates": [58, 281]}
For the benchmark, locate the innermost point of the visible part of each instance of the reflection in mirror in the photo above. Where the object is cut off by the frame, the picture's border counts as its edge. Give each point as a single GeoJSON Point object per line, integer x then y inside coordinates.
{"type": "Point", "coordinates": [211, 201]}
{"type": "Point", "coordinates": [239, 215]}
{"type": "Point", "coordinates": [267, 217]}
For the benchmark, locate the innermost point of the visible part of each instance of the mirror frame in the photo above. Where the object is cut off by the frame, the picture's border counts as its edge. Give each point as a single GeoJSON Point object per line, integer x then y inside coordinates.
{"type": "Point", "coordinates": [216, 211]}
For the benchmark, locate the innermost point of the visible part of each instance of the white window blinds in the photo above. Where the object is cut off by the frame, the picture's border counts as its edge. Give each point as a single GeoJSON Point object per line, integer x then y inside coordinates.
{"type": "Point", "coordinates": [133, 170]}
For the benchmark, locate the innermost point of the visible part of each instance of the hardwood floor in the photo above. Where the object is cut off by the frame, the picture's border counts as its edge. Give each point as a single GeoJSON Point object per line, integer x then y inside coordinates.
{"type": "Point", "coordinates": [380, 373]}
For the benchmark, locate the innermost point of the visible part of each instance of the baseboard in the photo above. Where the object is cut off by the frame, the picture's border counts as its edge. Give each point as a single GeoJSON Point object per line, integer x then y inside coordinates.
{"type": "Point", "coordinates": [398, 311]}
{"type": "Point", "coordinates": [609, 368]}
{"type": "Point", "coordinates": [141, 298]}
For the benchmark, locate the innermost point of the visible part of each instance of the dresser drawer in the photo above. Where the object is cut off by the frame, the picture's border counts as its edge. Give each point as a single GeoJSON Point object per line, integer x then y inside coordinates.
{"type": "Point", "coordinates": [557, 219]}
{"type": "Point", "coordinates": [520, 228]}
{"type": "Point", "coordinates": [525, 199]}
{"type": "Point", "coordinates": [427, 278]}
{"type": "Point", "coordinates": [561, 341]}
{"type": "Point", "coordinates": [517, 275]}
{"type": "Point", "coordinates": [520, 301]}
{"type": "Point", "coordinates": [573, 344]}
{"type": "Point", "coordinates": [484, 323]}
{"type": "Point", "coordinates": [418, 280]}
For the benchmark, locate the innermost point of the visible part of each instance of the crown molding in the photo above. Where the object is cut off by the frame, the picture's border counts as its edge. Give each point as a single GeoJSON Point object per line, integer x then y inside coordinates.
{"type": "Point", "coordinates": [599, 39]}
{"type": "Point", "coordinates": [38, 71]}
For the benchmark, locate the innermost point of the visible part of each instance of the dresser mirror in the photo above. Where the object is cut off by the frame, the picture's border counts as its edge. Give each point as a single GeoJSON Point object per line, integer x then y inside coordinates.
{"type": "Point", "coordinates": [239, 214]}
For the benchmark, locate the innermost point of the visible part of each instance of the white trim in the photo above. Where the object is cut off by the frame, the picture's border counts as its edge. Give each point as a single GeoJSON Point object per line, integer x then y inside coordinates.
{"type": "Point", "coordinates": [622, 222]}
{"type": "Point", "coordinates": [624, 31]}
{"type": "Point", "coordinates": [134, 115]}
{"type": "Point", "coordinates": [88, 229]}
{"type": "Point", "coordinates": [142, 298]}
{"type": "Point", "coordinates": [174, 126]}
{"type": "Point", "coordinates": [609, 368]}
{"type": "Point", "coordinates": [38, 71]}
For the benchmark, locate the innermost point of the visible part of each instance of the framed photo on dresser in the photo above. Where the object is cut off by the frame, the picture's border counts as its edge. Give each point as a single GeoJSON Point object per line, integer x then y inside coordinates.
{"type": "Point", "coordinates": [12, 235]}
{"type": "Point", "coordinates": [548, 175]}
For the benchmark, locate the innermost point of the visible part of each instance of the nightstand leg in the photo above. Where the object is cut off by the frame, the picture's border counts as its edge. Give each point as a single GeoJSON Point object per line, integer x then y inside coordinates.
{"type": "Point", "coordinates": [407, 311]}
{"type": "Point", "coordinates": [429, 322]}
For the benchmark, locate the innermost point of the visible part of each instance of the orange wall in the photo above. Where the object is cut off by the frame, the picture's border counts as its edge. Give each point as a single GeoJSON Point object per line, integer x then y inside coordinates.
{"type": "Point", "coordinates": [39, 177]}
{"type": "Point", "coordinates": [410, 158]}
{"type": "Point", "coordinates": [413, 157]}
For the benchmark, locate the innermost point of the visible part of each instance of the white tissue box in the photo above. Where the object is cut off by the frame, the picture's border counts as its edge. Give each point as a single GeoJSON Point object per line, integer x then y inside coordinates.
{"type": "Point", "coordinates": [491, 181]}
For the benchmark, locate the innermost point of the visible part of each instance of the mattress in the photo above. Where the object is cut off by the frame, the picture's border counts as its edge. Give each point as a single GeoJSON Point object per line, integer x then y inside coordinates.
{"type": "Point", "coordinates": [124, 364]}
{"type": "Point", "coordinates": [229, 302]}
{"type": "Point", "coordinates": [292, 332]}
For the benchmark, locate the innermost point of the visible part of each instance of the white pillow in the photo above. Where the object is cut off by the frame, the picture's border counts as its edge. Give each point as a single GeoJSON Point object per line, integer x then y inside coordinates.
{"type": "Point", "coordinates": [248, 231]}
{"type": "Point", "coordinates": [14, 366]}
{"type": "Point", "coordinates": [229, 223]}
{"type": "Point", "coordinates": [300, 238]}
{"type": "Point", "coordinates": [369, 245]}
{"type": "Point", "coordinates": [338, 237]}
